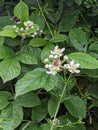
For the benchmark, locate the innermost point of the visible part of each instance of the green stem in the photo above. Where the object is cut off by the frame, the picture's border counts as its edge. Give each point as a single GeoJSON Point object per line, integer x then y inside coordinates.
{"type": "Point", "coordinates": [86, 23]}
{"type": "Point", "coordinates": [44, 18]}
{"type": "Point", "coordinates": [80, 90]}
{"type": "Point", "coordinates": [21, 42]}
{"type": "Point", "coordinates": [60, 100]}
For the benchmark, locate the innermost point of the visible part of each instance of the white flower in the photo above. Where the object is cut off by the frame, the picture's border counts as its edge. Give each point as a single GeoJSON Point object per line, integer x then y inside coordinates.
{"type": "Point", "coordinates": [28, 23]}
{"type": "Point", "coordinates": [14, 26]}
{"type": "Point", "coordinates": [72, 67]}
{"type": "Point", "coordinates": [57, 52]}
{"type": "Point", "coordinates": [56, 122]}
{"type": "Point", "coordinates": [56, 56]}
{"type": "Point", "coordinates": [46, 60]}
{"type": "Point", "coordinates": [54, 67]}
{"type": "Point", "coordinates": [32, 27]}
{"type": "Point", "coordinates": [51, 56]}
{"type": "Point", "coordinates": [46, 66]}
{"type": "Point", "coordinates": [22, 29]}
{"type": "Point", "coordinates": [52, 70]}
{"type": "Point", "coordinates": [27, 29]}
{"type": "Point", "coordinates": [57, 62]}
{"type": "Point", "coordinates": [65, 57]}
{"type": "Point", "coordinates": [17, 30]}
{"type": "Point", "coordinates": [65, 66]}
{"type": "Point", "coordinates": [41, 31]}
{"type": "Point", "coordinates": [35, 33]}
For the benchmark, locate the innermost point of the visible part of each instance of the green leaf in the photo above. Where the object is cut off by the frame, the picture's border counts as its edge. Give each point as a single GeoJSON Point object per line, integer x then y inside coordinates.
{"type": "Point", "coordinates": [28, 100]}
{"type": "Point", "coordinates": [55, 15]}
{"type": "Point", "coordinates": [13, 112]}
{"type": "Point", "coordinates": [71, 84]}
{"type": "Point", "coordinates": [94, 102]}
{"type": "Point", "coordinates": [58, 14]}
{"type": "Point", "coordinates": [37, 42]}
{"type": "Point", "coordinates": [26, 58]}
{"type": "Point", "coordinates": [32, 50]}
{"type": "Point", "coordinates": [6, 52]}
{"type": "Point", "coordinates": [1, 41]}
{"type": "Point", "coordinates": [38, 19]}
{"type": "Point", "coordinates": [30, 126]}
{"type": "Point", "coordinates": [4, 97]}
{"type": "Point", "coordinates": [69, 2]}
{"type": "Point", "coordinates": [74, 127]}
{"type": "Point", "coordinates": [59, 38]}
{"type": "Point", "coordinates": [75, 106]}
{"type": "Point", "coordinates": [94, 54]}
{"type": "Point", "coordinates": [90, 72]}
{"type": "Point", "coordinates": [40, 112]}
{"type": "Point", "coordinates": [79, 2]}
{"type": "Point", "coordinates": [21, 11]}
{"type": "Point", "coordinates": [46, 52]}
{"type": "Point", "coordinates": [9, 69]}
{"type": "Point", "coordinates": [93, 47]}
{"type": "Point", "coordinates": [8, 31]}
{"type": "Point", "coordinates": [45, 127]}
{"type": "Point", "coordinates": [5, 20]}
{"type": "Point", "coordinates": [17, 115]}
{"type": "Point", "coordinates": [70, 123]}
{"type": "Point", "coordinates": [43, 80]}
{"type": "Point", "coordinates": [12, 42]}
{"type": "Point", "coordinates": [68, 22]}
{"type": "Point", "coordinates": [85, 60]}
{"type": "Point", "coordinates": [52, 106]}
{"type": "Point", "coordinates": [78, 39]}
{"type": "Point", "coordinates": [93, 91]}
{"type": "Point", "coordinates": [7, 125]}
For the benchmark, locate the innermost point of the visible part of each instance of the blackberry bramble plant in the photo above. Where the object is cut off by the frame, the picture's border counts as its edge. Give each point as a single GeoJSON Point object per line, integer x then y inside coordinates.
{"type": "Point", "coordinates": [48, 65]}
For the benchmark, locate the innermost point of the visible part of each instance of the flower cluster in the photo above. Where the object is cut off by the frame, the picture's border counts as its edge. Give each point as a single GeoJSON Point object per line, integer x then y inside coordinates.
{"type": "Point", "coordinates": [28, 29]}
{"type": "Point", "coordinates": [57, 62]}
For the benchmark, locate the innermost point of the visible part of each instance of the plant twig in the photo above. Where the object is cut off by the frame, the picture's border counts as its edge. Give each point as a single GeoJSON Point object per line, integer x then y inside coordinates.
{"type": "Point", "coordinates": [44, 18]}
{"type": "Point", "coordinates": [60, 100]}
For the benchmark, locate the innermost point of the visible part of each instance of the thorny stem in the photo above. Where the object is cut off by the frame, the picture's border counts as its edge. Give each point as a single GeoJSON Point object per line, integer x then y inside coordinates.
{"type": "Point", "coordinates": [60, 100]}
{"type": "Point", "coordinates": [44, 18]}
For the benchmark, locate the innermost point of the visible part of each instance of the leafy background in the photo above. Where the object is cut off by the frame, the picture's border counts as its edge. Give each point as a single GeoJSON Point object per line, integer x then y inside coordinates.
{"type": "Point", "coordinates": [28, 96]}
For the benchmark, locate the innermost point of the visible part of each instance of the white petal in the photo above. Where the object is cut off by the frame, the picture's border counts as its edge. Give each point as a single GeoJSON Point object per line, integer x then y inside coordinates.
{"type": "Point", "coordinates": [52, 52]}
{"type": "Point", "coordinates": [77, 65]}
{"type": "Point", "coordinates": [68, 66]}
{"type": "Point", "coordinates": [46, 66]}
{"type": "Point", "coordinates": [77, 71]}
{"type": "Point", "coordinates": [63, 49]}
{"type": "Point", "coordinates": [72, 62]}
{"type": "Point", "coordinates": [14, 26]}
{"type": "Point", "coordinates": [65, 66]}
{"type": "Point", "coordinates": [51, 56]}
{"type": "Point", "coordinates": [65, 57]}
{"type": "Point", "coordinates": [56, 47]}
{"type": "Point", "coordinates": [46, 60]}
{"type": "Point", "coordinates": [71, 71]}
{"type": "Point", "coordinates": [56, 56]}
{"type": "Point", "coordinates": [60, 54]}
{"type": "Point", "coordinates": [53, 73]}
{"type": "Point", "coordinates": [50, 65]}
{"type": "Point", "coordinates": [48, 72]}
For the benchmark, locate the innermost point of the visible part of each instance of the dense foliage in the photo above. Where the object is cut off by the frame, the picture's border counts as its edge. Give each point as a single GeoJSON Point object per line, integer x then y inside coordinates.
{"type": "Point", "coordinates": [48, 65]}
